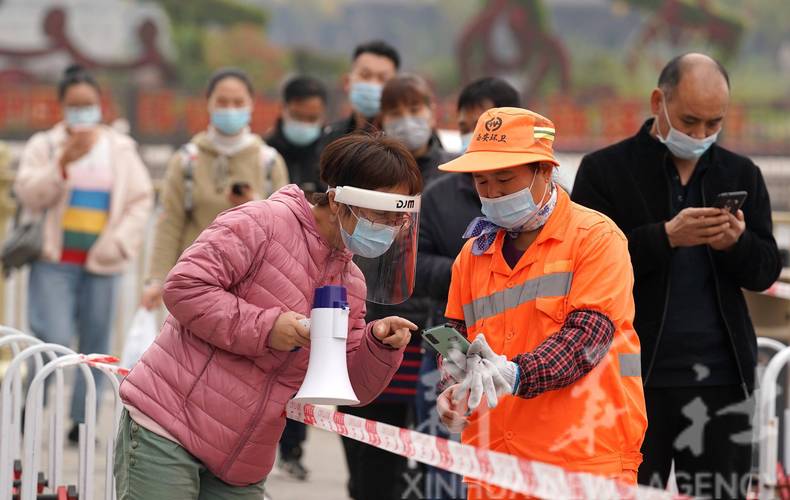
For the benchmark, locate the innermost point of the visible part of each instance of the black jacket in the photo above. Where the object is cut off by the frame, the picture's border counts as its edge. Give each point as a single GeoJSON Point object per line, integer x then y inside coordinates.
{"type": "Point", "coordinates": [430, 161]}
{"type": "Point", "coordinates": [448, 206]}
{"type": "Point", "coordinates": [628, 182]}
{"type": "Point", "coordinates": [343, 127]}
{"type": "Point", "coordinates": [417, 309]}
{"type": "Point", "coordinates": [302, 161]}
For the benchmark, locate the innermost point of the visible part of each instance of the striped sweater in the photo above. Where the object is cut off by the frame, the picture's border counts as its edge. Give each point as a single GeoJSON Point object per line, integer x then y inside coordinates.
{"type": "Point", "coordinates": [90, 181]}
{"type": "Point", "coordinates": [403, 386]}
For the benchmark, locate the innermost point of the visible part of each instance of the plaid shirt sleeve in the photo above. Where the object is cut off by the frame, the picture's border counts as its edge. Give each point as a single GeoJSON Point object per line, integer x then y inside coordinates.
{"type": "Point", "coordinates": [567, 355]}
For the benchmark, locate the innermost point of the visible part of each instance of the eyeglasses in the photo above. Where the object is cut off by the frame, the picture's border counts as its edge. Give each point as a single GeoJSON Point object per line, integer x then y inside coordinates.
{"type": "Point", "coordinates": [403, 221]}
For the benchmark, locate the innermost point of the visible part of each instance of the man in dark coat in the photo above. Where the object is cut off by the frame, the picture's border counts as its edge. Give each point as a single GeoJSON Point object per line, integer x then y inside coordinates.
{"type": "Point", "coordinates": [691, 261]}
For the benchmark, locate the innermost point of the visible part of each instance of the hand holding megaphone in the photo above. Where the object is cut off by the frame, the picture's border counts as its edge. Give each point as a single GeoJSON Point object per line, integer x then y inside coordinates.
{"type": "Point", "coordinates": [394, 331]}
{"type": "Point", "coordinates": [289, 332]}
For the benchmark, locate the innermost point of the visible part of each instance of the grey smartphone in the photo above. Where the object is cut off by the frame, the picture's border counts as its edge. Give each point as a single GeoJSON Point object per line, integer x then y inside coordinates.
{"type": "Point", "coordinates": [442, 337]}
{"type": "Point", "coordinates": [731, 201]}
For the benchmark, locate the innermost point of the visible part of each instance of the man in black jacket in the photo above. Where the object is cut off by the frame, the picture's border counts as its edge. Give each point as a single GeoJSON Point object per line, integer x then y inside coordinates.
{"type": "Point", "coordinates": [297, 133]}
{"type": "Point", "coordinates": [449, 204]}
{"type": "Point", "coordinates": [690, 263]}
{"type": "Point", "coordinates": [407, 114]}
{"type": "Point", "coordinates": [373, 64]}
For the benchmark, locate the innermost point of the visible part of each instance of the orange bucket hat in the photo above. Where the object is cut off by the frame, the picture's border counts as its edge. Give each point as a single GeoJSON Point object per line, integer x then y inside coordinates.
{"type": "Point", "coordinates": [504, 138]}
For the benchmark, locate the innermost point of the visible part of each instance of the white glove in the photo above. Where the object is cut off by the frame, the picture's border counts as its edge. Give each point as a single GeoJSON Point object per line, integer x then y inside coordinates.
{"type": "Point", "coordinates": [451, 413]}
{"type": "Point", "coordinates": [454, 364]}
{"type": "Point", "coordinates": [487, 372]}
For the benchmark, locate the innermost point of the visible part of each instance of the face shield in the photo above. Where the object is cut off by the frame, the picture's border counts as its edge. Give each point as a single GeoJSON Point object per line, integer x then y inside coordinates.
{"type": "Point", "coordinates": [384, 240]}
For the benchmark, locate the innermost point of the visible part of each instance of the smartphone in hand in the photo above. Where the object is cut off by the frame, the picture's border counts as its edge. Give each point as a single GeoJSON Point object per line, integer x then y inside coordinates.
{"type": "Point", "coordinates": [442, 337]}
{"type": "Point", "coordinates": [731, 201]}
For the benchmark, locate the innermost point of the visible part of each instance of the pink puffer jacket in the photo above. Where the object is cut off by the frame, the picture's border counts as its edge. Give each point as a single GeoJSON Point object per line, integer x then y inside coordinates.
{"type": "Point", "coordinates": [210, 379]}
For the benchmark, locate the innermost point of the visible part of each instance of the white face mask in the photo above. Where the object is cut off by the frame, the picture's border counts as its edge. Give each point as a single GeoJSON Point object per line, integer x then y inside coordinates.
{"type": "Point", "coordinates": [681, 145]}
{"type": "Point", "coordinates": [518, 211]}
{"type": "Point", "coordinates": [413, 131]}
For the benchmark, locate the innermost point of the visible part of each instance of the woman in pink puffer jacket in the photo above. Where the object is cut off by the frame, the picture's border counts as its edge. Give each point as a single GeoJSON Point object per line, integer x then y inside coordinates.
{"type": "Point", "coordinates": [205, 404]}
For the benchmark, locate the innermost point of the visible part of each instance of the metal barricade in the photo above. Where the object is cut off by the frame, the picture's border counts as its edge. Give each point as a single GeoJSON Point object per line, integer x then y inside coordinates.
{"type": "Point", "coordinates": [26, 348]}
{"type": "Point", "coordinates": [10, 412]}
{"type": "Point", "coordinates": [96, 361]}
{"type": "Point", "coordinates": [34, 406]}
{"type": "Point", "coordinates": [768, 425]}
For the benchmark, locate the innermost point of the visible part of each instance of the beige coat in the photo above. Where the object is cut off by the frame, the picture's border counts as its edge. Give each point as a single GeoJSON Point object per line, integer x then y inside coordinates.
{"type": "Point", "coordinates": [213, 176]}
{"type": "Point", "coordinates": [39, 186]}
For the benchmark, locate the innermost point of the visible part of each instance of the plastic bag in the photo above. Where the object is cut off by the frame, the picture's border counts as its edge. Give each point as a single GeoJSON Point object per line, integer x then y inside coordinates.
{"type": "Point", "coordinates": [140, 337]}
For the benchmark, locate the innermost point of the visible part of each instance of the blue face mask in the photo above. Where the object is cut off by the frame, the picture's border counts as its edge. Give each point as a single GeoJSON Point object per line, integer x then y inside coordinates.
{"type": "Point", "coordinates": [365, 98]}
{"type": "Point", "coordinates": [684, 146]}
{"type": "Point", "coordinates": [465, 140]}
{"type": "Point", "coordinates": [230, 121]}
{"type": "Point", "coordinates": [369, 239]}
{"type": "Point", "coordinates": [82, 116]}
{"type": "Point", "coordinates": [301, 133]}
{"type": "Point", "coordinates": [518, 211]}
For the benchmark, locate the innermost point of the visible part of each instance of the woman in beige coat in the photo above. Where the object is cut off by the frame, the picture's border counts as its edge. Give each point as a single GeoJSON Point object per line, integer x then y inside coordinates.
{"type": "Point", "coordinates": [220, 168]}
{"type": "Point", "coordinates": [95, 195]}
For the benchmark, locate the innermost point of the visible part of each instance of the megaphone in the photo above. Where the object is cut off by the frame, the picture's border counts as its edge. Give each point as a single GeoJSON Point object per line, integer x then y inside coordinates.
{"type": "Point", "coordinates": [326, 381]}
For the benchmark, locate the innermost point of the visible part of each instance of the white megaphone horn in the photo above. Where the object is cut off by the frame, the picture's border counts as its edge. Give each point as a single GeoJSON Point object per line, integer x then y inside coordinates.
{"type": "Point", "coordinates": [326, 381]}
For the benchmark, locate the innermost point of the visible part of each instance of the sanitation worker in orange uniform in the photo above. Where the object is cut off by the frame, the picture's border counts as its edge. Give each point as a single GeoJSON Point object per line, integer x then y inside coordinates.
{"type": "Point", "coordinates": [542, 290]}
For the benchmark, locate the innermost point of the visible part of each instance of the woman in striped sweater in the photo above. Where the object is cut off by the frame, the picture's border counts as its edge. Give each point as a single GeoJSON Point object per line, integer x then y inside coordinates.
{"type": "Point", "coordinates": [95, 195]}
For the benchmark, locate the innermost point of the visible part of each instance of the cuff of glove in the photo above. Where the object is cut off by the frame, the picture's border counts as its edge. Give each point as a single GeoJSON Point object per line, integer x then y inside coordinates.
{"type": "Point", "coordinates": [517, 380]}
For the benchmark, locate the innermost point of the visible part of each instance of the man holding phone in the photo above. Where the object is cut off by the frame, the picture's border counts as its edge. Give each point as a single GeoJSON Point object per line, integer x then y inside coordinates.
{"type": "Point", "coordinates": [671, 189]}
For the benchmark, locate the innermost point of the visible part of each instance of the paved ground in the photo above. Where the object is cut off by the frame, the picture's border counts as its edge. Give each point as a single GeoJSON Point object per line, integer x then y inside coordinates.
{"type": "Point", "coordinates": [323, 457]}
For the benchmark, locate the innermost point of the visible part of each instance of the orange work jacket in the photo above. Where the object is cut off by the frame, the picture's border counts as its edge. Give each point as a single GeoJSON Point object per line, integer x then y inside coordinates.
{"type": "Point", "coordinates": [579, 260]}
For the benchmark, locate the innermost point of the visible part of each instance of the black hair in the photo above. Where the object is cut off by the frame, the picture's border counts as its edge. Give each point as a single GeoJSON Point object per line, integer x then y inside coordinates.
{"type": "Point", "coordinates": [303, 87]}
{"type": "Point", "coordinates": [74, 75]}
{"type": "Point", "coordinates": [498, 91]}
{"type": "Point", "coordinates": [670, 75]}
{"type": "Point", "coordinates": [379, 48]}
{"type": "Point", "coordinates": [224, 73]}
{"type": "Point", "coordinates": [368, 161]}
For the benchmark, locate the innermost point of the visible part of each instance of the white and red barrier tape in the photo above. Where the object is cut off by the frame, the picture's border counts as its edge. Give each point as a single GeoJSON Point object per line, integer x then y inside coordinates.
{"type": "Point", "coordinates": [779, 290]}
{"type": "Point", "coordinates": [104, 361]}
{"type": "Point", "coordinates": [499, 469]}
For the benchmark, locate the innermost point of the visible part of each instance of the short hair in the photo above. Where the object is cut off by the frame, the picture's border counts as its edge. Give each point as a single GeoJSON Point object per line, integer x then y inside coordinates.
{"type": "Point", "coordinates": [496, 90]}
{"type": "Point", "coordinates": [670, 75]}
{"type": "Point", "coordinates": [379, 48]}
{"type": "Point", "coordinates": [304, 87]}
{"type": "Point", "coordinates": [368, 161]}
{"type": "Point", "coordinates": [405, 89]}
{"type": "Point", "coordinates": [224, 73]}
{"type": "Point", "coordinates": [74, 75]}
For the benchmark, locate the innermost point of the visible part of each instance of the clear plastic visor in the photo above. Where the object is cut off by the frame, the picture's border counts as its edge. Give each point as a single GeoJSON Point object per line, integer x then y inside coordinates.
{"type": "Point", "coordinates": [372, 220]}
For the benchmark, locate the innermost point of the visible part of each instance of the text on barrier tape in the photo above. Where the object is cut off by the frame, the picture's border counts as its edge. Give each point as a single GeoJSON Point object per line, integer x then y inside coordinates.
{"type": "Point", "coordinates": [498, 469]}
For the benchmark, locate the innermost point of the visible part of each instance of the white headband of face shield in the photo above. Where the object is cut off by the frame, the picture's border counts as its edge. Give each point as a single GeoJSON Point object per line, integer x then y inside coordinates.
{"type": "Point", "coordinates": [375, 200]}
